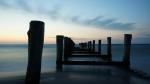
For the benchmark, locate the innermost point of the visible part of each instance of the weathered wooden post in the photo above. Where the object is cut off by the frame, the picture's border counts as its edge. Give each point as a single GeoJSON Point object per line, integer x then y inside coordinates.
{"type": "Point", "coordinates": [99, 47]}
{"type": "Point", "coordinates": [70, 46]}
{"type": "Point", "coordinates": [86, 46]}
{"type": "Point", "coordinates": [109, 49]}
{"type": "Point", "coordinates": [59, 42]}
{"type": "Point", "coordinates": [72, 43]}
{"type": "Point", "coordinates": [93, 49]}
{"type": "Point", "coordinates": [90, 45]}
{"type": "Point", "coordinates": [35, 47]}
{"type": "Point", "coordinates": [127, 47]}
{"type": "Point", "coordinates": [66, 48]}
{"type": "Point", "coordinates": [80, 45]}
{"type": "Point", "coordinates": [83, 45]}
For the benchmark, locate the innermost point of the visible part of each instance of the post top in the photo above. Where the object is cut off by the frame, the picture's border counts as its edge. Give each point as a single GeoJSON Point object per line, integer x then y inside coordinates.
{"type": "Point", "coordinates": [36, 22]}
{"type": "Point", "coordinates": [59, 35]}
{"type": "Point", "coordinates": [128, 35]}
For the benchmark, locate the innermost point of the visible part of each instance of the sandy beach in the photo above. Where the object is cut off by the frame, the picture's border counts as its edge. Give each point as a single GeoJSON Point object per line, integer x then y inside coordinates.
{"type": "Point", "coordinates": [83, 75]}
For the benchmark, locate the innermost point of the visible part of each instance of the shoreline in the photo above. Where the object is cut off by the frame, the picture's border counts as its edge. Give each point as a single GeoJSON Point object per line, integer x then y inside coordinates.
{"type": "Point", "coordinates": [82, 75]}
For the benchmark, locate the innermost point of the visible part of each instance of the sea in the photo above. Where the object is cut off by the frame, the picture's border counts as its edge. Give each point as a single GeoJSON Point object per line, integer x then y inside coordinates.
{"type": "Point", "coordinates": [14, 57]}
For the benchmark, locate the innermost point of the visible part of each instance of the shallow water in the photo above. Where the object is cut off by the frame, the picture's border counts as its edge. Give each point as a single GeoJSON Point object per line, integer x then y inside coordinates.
{"type": "Point", "coordinates": [13, 58]}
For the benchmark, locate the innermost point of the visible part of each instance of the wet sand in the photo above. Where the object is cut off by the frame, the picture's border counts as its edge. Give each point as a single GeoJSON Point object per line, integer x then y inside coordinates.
{"type": "Point", "coordinates": [83, 75]}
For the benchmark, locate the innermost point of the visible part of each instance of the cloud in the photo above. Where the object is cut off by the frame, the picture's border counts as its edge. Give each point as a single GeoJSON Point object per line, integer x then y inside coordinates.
{"type": "Point", "coordinates": [24, 5]}
{"type": "Point", "coordinates": [15, 4]}
{"type": "Point", "coordinates": [101, 22]}
{"type": "Point", "coordinates": [121, 26]}
{"type": "Point", "coordinates": [4, 4]}
{"type": "Point", "coordinates": [55, 14]}
{"type": "Point", "coordinates": [27, 6]}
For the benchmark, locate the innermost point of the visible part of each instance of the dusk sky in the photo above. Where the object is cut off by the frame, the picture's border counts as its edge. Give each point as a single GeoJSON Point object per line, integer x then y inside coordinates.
{"type": "Point", "coordinates": [82, 20]}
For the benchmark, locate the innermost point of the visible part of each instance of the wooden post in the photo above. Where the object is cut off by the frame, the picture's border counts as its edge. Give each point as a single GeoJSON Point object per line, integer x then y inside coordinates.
{"type": "Point", "coordinates": [86, 45]}
{"type": "Point", "coordinates": [99, 47]}
{"type": "Point", "coordinates": [90, 45]}
{"type": "Point", "coordinates": [70, 46]}
{"type": "Point", "coordinates": [35, 47]}
{"type": "Point", "coordinates": [80, 45]}
{"type": "Point", "coordinates": [93, 46]}
{"type": "Point", "coordinates": [59, 41]}
{"type": "Point", "coordinates": [109, 49]}
{"type": "Point", "coordinates": [66, 48]}
{"type": "Point", "coordinates": [83, 45]}
{"type": "Point", "coordinates": [127, 47]}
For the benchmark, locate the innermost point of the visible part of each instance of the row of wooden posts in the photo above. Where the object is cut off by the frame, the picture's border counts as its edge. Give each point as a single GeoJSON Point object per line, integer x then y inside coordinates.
{"type": "Point", "coordinates": [90, 47]}
{"type": "Point", "coordinates": [64, 49]}
{"type": "Point", "coordinates": [65, 46]}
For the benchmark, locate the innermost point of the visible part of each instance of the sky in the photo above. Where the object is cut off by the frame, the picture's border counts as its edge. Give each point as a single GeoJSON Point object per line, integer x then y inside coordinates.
{"type": "Point", "coordinates": [82, 20]}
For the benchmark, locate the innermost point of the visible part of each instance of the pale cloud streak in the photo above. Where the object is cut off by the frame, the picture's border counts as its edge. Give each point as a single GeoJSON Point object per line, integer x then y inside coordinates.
{"type": "Point", "coordinates": [55, 14]}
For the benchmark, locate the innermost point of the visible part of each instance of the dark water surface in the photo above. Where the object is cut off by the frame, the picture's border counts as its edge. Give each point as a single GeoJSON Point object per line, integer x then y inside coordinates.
{"type": "Point", "coordinates": [13, 57]}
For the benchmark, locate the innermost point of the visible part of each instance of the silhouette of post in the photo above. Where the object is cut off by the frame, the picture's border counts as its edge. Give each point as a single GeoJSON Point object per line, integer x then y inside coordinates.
{"type": "Point", "coordinates": [99, 47]}
{"type": "Point", "coordinates": [59, 42]}
{"type": "Point", "coordinates": [86, 45]}
{"type": "Point", "coordinates": [93, 46]}
{"type": "Point", "coordinates": [83, 45]}
{"type": "Point", "coordinates": [66, 48]}
{"type": "Point", "coordinates": [127, 47]}
{"type": "Point", "coordinates": [90, 45]}
{"type": "Point", "coordinates": [109, 48]}
{"type": "Point", "coordinates": [35, 47]}
{"type": "Point", "coordinates": [80, 45]}
{"type": "Point", "coordinates": [70, 46]}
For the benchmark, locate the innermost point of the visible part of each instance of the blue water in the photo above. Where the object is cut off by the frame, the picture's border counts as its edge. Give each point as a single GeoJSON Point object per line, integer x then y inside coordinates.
{"type": "Point", "coordinates": [13, 58]}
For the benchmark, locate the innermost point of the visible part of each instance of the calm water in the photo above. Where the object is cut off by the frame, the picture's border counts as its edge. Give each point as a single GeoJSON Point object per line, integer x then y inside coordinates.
{"type": "Point", "coordinates": [13, 58]}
